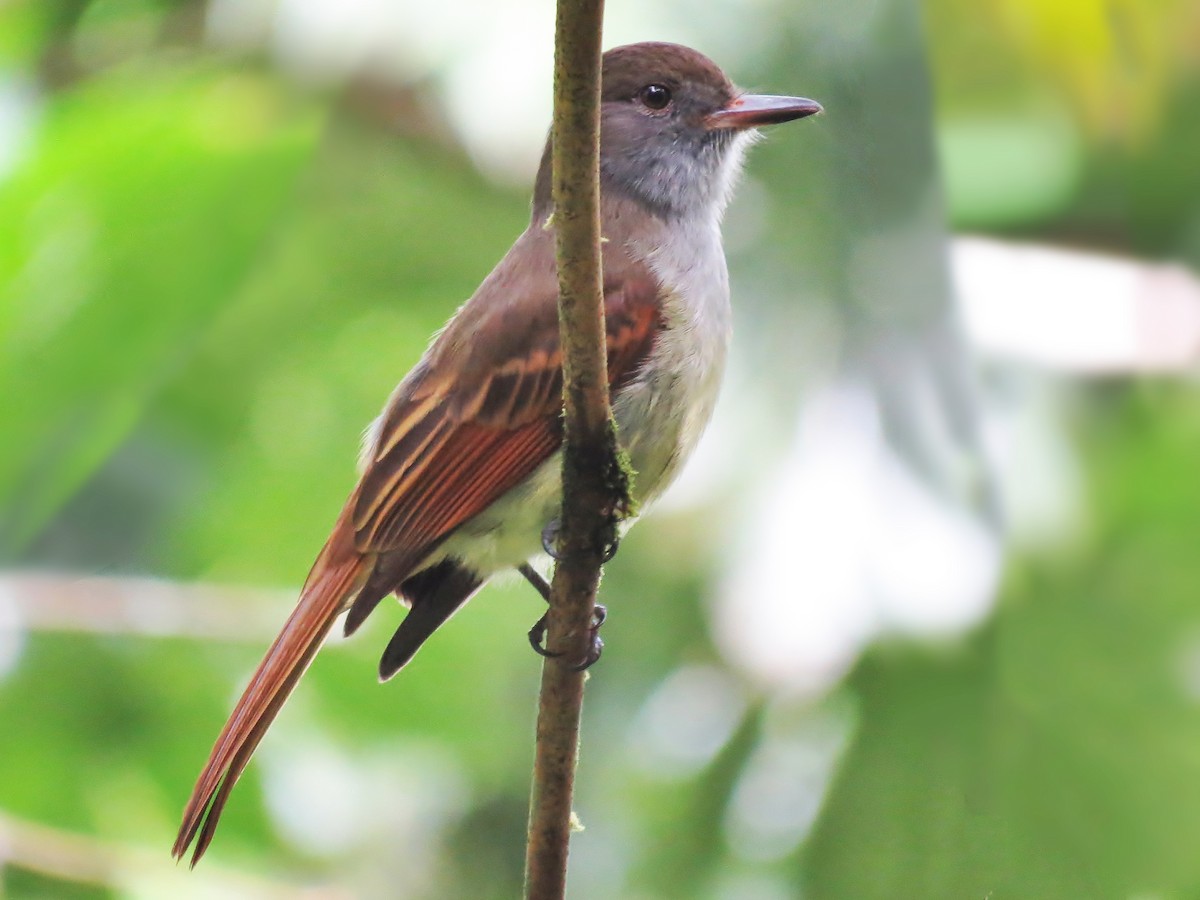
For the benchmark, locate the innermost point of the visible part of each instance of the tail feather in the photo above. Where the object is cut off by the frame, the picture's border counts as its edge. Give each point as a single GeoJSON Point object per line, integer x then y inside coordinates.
{"type": "Point", "coordinates": [339, 572]}
{"type": "Point", "coordinates": [435, 595]}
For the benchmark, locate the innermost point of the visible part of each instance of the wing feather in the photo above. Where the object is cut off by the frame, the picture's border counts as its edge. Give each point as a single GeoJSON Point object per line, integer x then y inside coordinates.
{"type": "Point", "coordinates": [474, 431]}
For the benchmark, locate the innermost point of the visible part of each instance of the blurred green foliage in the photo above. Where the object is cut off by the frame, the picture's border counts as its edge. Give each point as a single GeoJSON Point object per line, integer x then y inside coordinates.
{"type": "Point", "coordinates": [1057, 754]}
{"type": "Point", "coordinates": [128, 180]}
{"type": "Point", "coordinates": [211, 275]}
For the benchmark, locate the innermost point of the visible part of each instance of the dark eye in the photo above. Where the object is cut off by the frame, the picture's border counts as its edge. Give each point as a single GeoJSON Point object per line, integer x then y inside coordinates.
{"type": "Point", "coordinates": [655, 96]}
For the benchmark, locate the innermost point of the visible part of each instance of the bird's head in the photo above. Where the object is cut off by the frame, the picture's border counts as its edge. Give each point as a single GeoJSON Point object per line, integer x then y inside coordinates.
{"type": "Point", "coordinates": [673, 128]}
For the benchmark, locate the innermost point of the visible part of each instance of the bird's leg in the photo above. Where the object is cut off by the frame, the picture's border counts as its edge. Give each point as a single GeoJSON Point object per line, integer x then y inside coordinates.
{"type": "Point", "coordinates": [534, 577]}
{"type": "Point", "coordinates": [537, 634]}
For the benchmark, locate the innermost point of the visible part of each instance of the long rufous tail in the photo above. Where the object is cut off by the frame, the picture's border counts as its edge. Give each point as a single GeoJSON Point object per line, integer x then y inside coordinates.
{"type": "Point", "coordinates": [337, 574]}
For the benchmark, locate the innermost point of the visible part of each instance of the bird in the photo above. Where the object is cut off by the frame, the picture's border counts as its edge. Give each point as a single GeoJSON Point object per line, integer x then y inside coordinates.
{"type": "Point", "coordinates": [461, 473]}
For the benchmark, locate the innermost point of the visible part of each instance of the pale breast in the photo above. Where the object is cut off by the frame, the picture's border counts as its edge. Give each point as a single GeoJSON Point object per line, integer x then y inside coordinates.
{"type": "Point", "coordinates": [663, 412]}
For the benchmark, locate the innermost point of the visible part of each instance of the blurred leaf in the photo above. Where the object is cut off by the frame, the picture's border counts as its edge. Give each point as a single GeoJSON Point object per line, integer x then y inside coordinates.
{"type": "Point", "coordinates": [23, 28]}
{"type": "Point", "coordinates": [147, 199]}
{"type": "Point", "coordinates": [1111, 60]}
{"type": "Point", "coordinates": [388, 237]}
{"type": "Point", "coordinates": [1056, 756]}
{"type": "Point", "coordinates": [690, 813]}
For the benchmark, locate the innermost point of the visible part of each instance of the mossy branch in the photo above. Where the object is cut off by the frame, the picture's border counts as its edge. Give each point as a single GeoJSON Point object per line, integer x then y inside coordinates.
{"type": "Point", "coordinates": [595, 488]}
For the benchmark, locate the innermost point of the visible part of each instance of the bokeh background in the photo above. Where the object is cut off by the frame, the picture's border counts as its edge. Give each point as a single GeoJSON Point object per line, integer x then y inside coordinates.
{"type": "Point", "coordinates": [921, 619]}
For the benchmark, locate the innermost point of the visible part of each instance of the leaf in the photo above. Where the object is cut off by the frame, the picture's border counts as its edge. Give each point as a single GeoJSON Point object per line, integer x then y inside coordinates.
{"type": "Point", "coordinates": [1056, 755]}
{"type": "Point", "coordinates": [144, 205]}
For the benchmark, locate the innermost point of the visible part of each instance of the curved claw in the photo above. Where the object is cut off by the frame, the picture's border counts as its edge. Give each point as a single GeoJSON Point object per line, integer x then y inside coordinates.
{"type": "Point", "coordinates": [593, 655]}
{"type": "Point", "coordinates": [551, 533]}
{"type": "Point", "coordinates": [537, 637]}
{"type": "Point", "coordinates": [610, 549]}
{"type": "Point", "coordinates": [550, 539]}
{"type": "Point", "coordinates": [596, 646]}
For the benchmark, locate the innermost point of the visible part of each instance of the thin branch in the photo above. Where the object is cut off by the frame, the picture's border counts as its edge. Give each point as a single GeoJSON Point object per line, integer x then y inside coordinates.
{"type": "Point", "coordinates": [593, 489]}
{"type": "Point", "coordinates": [138, 606]}
{"type": "Point", "coordinates": [83, 859]}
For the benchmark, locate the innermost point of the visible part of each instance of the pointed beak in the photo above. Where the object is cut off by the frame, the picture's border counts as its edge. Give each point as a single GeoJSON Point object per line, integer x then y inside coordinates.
{"type": "Point", "coordinates": [753, 110]}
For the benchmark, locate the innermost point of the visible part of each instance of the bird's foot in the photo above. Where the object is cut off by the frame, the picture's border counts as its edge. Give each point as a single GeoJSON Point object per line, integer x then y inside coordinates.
{"type": "Point", "coordinates": [553, 530]}
{"type": "Point", "coordinates": [595, 642]}
{"type": "Point", "coordinates": [610, 547]}
{"type": "Point", "coordinates": [537, 639]}
{"type": "Point", "coordinates": [550, 539]}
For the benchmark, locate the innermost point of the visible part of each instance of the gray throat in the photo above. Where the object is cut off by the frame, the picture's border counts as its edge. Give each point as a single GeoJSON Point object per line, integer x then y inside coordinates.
{"type": "Point", "coordinates": [692, 178]}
